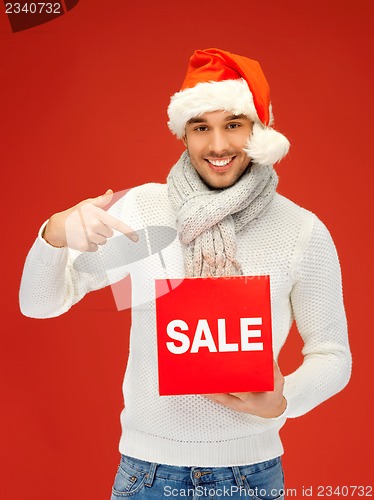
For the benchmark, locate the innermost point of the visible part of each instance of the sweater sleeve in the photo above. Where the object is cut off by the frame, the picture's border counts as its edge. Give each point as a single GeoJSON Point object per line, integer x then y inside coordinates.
{"type": "Point", "coordinates": [317, 302]}
{"type": "Point", "coordinates": [54, 279]}
{"type": "Point", "coordinates": [51, 284]}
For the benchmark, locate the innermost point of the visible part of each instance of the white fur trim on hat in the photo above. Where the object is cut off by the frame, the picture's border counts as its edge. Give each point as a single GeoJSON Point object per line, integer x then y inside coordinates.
{"type": "Point", "coordinates": [226, 95]}
{"type": "Point", "coordinates": [266, 146]}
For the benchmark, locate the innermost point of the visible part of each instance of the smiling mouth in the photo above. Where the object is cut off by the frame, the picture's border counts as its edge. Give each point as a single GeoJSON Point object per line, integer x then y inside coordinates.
{"type": "Point", "coordinates": [220, 165]}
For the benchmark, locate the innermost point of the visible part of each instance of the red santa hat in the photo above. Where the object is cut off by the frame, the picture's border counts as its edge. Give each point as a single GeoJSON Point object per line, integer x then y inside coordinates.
{"type": "Point", "coordinates": [218, 80]}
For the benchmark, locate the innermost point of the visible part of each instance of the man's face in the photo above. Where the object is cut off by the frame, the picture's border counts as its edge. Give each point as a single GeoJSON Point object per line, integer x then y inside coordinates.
{"type": "Point", "coordinates": [215, 143]}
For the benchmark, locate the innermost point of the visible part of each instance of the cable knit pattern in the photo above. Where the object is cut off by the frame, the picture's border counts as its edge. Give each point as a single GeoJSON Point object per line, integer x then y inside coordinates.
{"type": "Point", "coordinates": [207, 219]}
{"type": "Point", "coordinates": [288, 243]}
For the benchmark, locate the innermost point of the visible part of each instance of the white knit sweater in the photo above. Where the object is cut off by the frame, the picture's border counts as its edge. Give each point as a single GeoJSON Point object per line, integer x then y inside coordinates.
{"type": "Point", "coordinates": [288, 243]}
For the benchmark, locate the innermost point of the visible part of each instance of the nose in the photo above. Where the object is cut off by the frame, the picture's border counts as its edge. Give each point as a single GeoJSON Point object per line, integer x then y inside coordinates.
{"type": "Point", "coordinates": [218, 142]}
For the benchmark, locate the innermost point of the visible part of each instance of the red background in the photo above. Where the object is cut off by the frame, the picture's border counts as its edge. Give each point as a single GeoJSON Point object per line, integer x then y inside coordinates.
{"type": "Point", "coordinates": [83, 108]}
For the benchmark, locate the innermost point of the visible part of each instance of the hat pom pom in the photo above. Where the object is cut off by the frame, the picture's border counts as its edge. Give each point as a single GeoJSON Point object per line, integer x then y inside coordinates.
{"type": "Point", "coordinates": [266, 146]}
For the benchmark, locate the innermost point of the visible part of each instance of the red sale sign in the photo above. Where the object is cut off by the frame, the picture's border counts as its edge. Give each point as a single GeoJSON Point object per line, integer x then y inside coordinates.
{"type": "Point", "coordinates": [214, 335]}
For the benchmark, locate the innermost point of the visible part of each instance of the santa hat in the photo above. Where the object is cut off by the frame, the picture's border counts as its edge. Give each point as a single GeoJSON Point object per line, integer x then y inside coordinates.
{"type": "Point", "coordinates": [218, 80]}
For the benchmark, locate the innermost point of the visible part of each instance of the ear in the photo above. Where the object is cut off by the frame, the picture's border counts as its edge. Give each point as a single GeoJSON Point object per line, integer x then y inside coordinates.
{"type": "Point", "coordinates": [184, 139]}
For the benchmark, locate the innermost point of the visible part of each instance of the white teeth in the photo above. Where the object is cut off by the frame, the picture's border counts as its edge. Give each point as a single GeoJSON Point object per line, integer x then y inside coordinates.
{"type": "Point", "coordinates": [220, 163]}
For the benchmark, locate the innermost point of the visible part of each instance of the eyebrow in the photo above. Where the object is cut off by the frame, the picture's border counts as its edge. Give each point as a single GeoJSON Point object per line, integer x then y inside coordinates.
{"type": "Point", "coordinates": [236, 117]}
{"type": "Point", "coordinates": [198, 119]}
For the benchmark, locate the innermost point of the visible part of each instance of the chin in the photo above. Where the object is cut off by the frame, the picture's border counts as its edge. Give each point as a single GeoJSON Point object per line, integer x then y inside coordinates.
{"type": "Point", "coordinates": [219, 183]}
{"type": "Point", "coordinates": [224, 182]}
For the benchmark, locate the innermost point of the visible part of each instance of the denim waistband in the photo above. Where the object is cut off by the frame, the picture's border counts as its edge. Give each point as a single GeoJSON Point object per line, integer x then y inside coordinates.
{"type": "Point", "coordinates": [199, 475]}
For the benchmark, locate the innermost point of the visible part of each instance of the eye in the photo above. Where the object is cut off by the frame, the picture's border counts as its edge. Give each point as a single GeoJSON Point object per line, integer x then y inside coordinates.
{"type": "Point", "coordinates": [233, 125]}
{"type": "Point", "coordinates": [201, 128]}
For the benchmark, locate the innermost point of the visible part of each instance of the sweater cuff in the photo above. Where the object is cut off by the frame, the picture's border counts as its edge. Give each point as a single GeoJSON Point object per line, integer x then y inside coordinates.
{"type": "Point", "coordinates": [46, 253]}
{"type": "Point", "coordinates": [293, 397]}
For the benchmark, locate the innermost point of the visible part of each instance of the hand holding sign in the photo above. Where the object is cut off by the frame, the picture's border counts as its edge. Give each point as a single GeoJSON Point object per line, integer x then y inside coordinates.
{"type": "Point", "coordinates": [86, 225]}
{"type": "Point", "coordinates": [269, 404]}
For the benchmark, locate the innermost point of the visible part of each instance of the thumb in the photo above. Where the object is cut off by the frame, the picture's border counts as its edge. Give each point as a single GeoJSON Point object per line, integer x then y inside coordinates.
{"type": "Point", "coordinates": [103, 199]}
{"type": "Point", "coordinates": [276, 367]}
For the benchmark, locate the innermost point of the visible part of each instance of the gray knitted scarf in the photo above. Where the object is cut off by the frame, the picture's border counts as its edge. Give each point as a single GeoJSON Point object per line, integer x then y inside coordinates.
{"type": "Point", "coordinates": [208, 219]}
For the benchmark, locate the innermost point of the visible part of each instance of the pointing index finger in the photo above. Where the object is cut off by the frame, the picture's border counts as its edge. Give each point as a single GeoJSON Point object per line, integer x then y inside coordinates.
{"type": "Point", "coordinates": [118, 225]}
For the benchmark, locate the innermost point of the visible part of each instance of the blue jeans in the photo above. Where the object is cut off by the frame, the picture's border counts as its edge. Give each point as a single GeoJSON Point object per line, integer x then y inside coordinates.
{"type": "Point", "coordinates": [144, 480]}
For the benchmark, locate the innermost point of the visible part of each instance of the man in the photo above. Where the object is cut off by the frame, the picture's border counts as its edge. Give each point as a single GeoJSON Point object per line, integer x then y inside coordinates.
{"type": "Point", "coordinates": [221, 198]}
